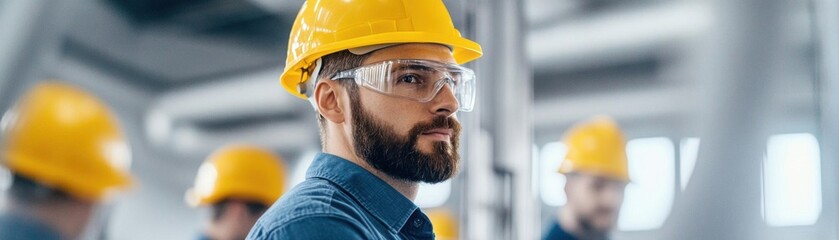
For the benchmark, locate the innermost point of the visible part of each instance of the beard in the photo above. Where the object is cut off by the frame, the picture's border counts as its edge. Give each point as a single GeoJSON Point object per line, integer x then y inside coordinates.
{"type": "Point", "coordinates": [591, 229]}
{"type": "Point", "coordinates": [399, 156]}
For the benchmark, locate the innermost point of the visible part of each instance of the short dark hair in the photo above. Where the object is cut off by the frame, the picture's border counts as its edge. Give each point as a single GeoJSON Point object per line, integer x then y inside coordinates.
{"type": "Point", "coordinates": [26, 191]}
{"type": "Point", "coordinates": [331, 65]}
{"type": "Point", "coordinates": [254, 208]}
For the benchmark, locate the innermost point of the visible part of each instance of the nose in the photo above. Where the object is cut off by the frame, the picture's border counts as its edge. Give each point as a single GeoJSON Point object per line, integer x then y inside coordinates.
{"type": "Point", "coordinates": [444, 103]}
{"type": "Point", "coordinates": [613, 196]}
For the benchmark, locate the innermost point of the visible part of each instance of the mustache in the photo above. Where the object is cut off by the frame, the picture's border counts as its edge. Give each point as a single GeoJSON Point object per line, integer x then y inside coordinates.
{"type": "Point", "coordinates": [606, 211]}
{"type": "Point", "coordinates": [437, 122]}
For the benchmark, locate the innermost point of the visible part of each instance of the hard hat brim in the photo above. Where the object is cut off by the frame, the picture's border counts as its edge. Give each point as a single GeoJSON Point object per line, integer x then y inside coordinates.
{"type": "Point", "coordinates": [94, 190]}
{"type": "Point", "coordinates": [463, 50]}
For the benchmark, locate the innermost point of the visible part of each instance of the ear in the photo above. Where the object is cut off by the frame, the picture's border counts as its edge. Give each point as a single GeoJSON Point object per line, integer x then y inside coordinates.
{"type": "Point", "coordinates": [328, 101]}
{"type": "Point", "coordinates": [568, 182]}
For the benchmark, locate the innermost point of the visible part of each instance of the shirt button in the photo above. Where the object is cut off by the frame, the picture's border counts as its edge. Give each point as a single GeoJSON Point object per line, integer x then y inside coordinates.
{"type": "Point", "coordinates": [417, 222]}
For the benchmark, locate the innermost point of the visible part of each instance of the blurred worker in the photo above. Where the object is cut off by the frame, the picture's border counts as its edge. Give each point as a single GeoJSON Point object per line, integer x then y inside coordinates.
{"type": "Point", "coordinates": [67, 154]}
{"type": "Point", "coordinates": [445, 225]}
{"type": "Point", "coordinates": [240, 182]}
{"type": "Point", "coordinates": [385, 79]}
{"type": "Point", "coordinates": [596, 174]}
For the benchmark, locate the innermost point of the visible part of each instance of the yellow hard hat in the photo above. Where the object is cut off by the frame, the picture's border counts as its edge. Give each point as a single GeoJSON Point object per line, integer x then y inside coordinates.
{"type": "Point", "coordinates": [238, 171]}
{"type": "Point", "coordinates": [445, 225]}
{"type": "Point", "coordinates": [65, 138]}
{"type": "Point", "coordinates": [323, 27]}
{"type": "Point", "coordinates": [596, 147]}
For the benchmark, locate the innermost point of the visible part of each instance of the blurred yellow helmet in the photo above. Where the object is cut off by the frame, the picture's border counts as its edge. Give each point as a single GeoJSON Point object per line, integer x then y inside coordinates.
{"type": "Point", "coordinates": [238, 171]}
{"type": "Point", "coordinates": [65, 138]}
{"type": "Point", "coordinates": [596, 147]}
{"type": "Point", "coordinates": [444, 224]}
{"type": "Point", "coordinates": [323, 27]}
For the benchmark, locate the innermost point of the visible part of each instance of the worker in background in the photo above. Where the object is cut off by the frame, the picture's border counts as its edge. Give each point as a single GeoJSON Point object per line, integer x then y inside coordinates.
{"type": "Point", "coordinates": [67, 155]}
{"type": "Point", "coordinates": [445, 225]}
{"type": "Point", "coordinates": [385, 79]}
{"type": "Point", "coordinates": [239, 182]}
{"type": "Point", "coordinates": [596, 174]}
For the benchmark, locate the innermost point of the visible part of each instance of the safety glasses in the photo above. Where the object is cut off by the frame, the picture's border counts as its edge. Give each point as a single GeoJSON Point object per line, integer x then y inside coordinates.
{"type": "Point", "coordinates": [419, 80]}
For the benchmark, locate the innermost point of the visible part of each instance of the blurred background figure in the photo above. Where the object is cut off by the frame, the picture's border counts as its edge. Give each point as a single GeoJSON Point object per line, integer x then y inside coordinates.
{"type": "Point", "coordinates": [239, 182]}
{"type": "Point", "coordinates": [596, 173]}
{"type": "Point", "coordinates": [66, 154]}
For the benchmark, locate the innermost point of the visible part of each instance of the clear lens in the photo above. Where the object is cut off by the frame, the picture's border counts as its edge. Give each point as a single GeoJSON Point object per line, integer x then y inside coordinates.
{"type": "Point", "coordinates": [420, 80]}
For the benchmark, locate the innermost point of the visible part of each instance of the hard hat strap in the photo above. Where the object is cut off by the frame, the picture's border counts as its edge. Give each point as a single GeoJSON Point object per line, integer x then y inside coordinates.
{"type": "Point", "coordinates": [308, 87]}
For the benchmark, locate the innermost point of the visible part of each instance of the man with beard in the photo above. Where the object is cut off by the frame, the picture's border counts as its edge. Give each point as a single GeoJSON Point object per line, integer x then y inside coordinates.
{"type": "Point", "coordinates": [385, 80]}
{"type": "Point", "coordinates": [596, 174]}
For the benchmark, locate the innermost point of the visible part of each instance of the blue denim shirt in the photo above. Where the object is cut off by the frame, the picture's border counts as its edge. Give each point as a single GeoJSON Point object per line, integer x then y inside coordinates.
{"type": "Point", "coordinates": [341, 200]}
{"type": "Point", "coordinates": [17, 227]}
{"type": "Point", "coordinates": [557, 233]}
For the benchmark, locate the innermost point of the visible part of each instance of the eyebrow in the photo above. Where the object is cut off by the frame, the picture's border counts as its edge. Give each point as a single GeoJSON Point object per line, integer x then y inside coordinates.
{"type": "Point", "coordinates": [413, 66]}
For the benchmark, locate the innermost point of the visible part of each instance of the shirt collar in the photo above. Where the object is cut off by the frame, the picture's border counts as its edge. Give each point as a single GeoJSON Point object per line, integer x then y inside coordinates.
{"type": "Point", "coordinates": [16, 225]}
{"type": "Point", "coordinates": [375, 195]}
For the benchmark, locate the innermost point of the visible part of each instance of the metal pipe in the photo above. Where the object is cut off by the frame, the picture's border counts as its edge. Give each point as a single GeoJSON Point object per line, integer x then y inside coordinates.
{"type": "Point", "coordinates": [826, 17]}
{"type": "Point", "coordinates": [737, 62]}
{"type": "Point", "coordinates": [507, 100]}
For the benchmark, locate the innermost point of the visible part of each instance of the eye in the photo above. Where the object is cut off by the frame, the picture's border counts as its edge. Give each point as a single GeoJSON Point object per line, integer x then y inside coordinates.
{"type": "Point", "coordinates": [452, 84]}
{"type": "Point", "coordinates": [410, 78]}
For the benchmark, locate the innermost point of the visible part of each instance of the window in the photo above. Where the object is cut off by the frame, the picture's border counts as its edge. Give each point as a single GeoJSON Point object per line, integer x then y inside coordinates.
{"type": "Point", "coordinates": [303, 162]}
{"type": "Point", "coordinates": [551, 182]}
{"type": "Point", "coordinates": [688, 151]}
{"type": "Point", "coordinates": [5, 179]}
{"type": "Point", "coordinates": [535, 184]}
{"type": "Point", "coordinates": [5, 183]}
{"type": "Point", "coordinates": [649, 195]}
{"type": "Point", "coordinates": [433, 195]}
{"type": "Point", "coordinates": [792, 180]}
